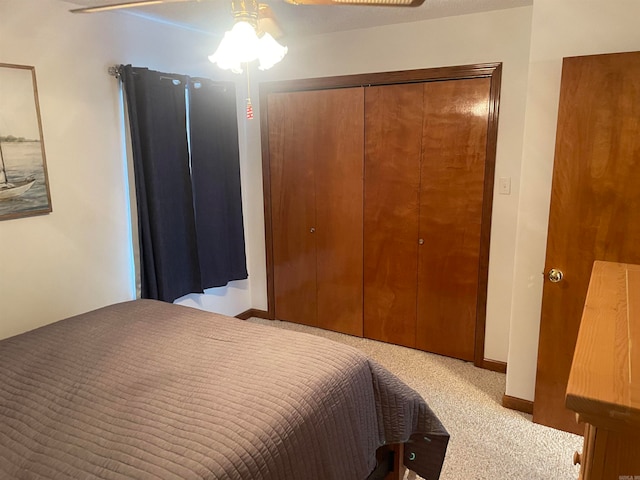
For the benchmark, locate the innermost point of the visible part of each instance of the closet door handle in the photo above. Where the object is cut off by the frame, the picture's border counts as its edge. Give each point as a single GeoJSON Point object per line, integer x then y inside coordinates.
{"type": "Point", "coordinates": [577, 458]}
{"type": "Point", "coordinates": [313, 230]}
{"type": "Point", "coordinates": [421, 241]}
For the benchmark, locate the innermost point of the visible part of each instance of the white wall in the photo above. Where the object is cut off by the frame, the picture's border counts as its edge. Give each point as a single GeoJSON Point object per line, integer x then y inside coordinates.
{"type": "Point", "coordinates": [560, 28]}
{"type": "Point", "coordinates": [78, 257]}
{"type": "Point", "coordinates": [500, 36]}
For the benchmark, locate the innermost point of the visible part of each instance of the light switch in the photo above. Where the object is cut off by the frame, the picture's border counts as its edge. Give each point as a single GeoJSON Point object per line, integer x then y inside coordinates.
{"type": "Point", "coordinates": [504, 185]}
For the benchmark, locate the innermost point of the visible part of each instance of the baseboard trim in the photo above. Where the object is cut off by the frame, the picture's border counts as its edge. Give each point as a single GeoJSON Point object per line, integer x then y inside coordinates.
{"type": "Point", "coordinates": [253, 312]}
{"type": "Point", "coordinates": [519, 404]}
{"type": "Point", "coordinates": [494, 366]}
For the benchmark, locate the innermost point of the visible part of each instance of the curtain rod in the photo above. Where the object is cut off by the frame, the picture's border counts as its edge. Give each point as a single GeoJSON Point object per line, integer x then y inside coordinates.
{"type": "Point", "coordinates": [114, 71]}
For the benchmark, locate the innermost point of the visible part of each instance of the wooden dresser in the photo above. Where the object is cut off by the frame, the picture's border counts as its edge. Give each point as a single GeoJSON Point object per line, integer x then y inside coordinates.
{"type": "Point", "coordinates": [604, 383]}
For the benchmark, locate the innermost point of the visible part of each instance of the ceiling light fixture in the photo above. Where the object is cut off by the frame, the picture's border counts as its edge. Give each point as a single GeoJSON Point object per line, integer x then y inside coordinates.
{"type": "Point", "coordinates": [245, 42]}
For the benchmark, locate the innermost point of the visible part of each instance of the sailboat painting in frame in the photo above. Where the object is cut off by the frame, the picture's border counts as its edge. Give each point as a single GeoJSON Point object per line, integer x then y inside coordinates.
{"type": "Point", "coordinates": [24, 185]}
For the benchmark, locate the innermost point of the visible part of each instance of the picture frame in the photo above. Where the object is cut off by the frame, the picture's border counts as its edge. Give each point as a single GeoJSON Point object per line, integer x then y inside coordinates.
{"type": "Point", "coordinates": [24, 183]}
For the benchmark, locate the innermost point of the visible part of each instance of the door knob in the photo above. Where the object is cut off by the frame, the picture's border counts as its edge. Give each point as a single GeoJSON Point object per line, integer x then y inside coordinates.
{"type": "Point", "coordinates": [312, 230]}
{"type": "Point", "coordinates": [555, 275]}
{"type": "Point", "coordinates": [421, 241]}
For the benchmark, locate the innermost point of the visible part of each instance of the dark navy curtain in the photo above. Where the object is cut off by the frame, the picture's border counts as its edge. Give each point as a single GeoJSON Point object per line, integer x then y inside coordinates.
{"type": "Point", "coordinates": [215, 177]}
{"type": "Point", "coordinates": [187, 221]}
{"type": "Point", "coordinates": [169, 264]}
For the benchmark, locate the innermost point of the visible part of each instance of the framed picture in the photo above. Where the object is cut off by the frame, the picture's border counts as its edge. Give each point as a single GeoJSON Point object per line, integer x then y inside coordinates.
{"type": "Point", "coordinates": [24, 185]}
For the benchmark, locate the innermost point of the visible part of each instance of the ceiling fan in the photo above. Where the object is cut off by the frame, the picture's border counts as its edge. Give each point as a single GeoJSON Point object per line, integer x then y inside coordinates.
{"type": "Point", "coordinates": [141, 3]}
{"type": "Point", "coordinates": [255, 27]}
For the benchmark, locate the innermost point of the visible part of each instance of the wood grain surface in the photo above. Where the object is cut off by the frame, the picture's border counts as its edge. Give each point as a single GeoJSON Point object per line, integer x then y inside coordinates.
{"type": "Point", "coordinates": [393, 116]}
{"type": "Point", "coordinates": [454, 146]}
{"type": "Point", "coordinates": [292, 208]}
{"type": "Point", "coordinates": [393, 141]}
{"type": "Point", "coordinates": [336, 149]}
{"type": "Point", "coordinates": [316, 171]}
{"type": "Point", "coordinates": [595, 202]}
{"type": "Point", "coordinates": [603, 380]}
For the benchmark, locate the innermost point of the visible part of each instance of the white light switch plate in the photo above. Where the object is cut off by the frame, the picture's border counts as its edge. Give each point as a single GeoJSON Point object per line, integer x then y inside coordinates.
{"type": "Point", "coordinates": [504, 185]}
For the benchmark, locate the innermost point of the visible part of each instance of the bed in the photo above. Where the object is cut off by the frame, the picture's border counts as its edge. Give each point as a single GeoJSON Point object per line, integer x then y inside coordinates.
{"type": "Point", "coordinates": [150, 390]}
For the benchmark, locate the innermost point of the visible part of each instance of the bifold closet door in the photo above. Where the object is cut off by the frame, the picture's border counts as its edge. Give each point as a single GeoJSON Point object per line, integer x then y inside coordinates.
{"type": "Point", "coordinates": [293, 211]}
{"type": "Point", "coordinates": [425, 152]}
{"type": "Point", "coordinates": [454, 150]}
{"type": "Point", "coordinates": [316, 167]}
{"type": "Point", "coordinates": [393, 126]}
{"type": "Point", "coordinates": [339, 176]}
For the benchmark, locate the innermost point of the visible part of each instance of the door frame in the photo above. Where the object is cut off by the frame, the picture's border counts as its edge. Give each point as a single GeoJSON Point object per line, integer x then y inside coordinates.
{"type": "Point", "coordinates": [479, 70]}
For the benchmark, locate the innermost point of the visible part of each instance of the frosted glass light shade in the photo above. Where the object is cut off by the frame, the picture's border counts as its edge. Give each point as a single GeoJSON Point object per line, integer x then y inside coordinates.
{"type": "Point", "coordinates": [242, 45]}
{"type": "Point", "coordinates": [270, 52]}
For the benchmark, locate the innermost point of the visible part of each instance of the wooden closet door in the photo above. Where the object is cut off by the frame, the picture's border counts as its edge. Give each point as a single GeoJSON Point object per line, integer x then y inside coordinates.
{"type": "Point", "coordinates": [393, 126]}
{"type": "Point", "coordinates": [292, 126]}
{"type": "Point", "coordinates": [337, 149]}
{"type": "Point", "coordinates": [316, 166]}
{"type": "Point", "coordinates": [454, 149]}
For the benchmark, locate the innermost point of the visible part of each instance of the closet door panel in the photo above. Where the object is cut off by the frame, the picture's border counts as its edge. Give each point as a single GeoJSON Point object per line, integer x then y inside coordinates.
{"type": "Point", "coordinates": [393, 126]}
{"type": "Point", "coordinates": [452, 184]}
{"type": "Point", "coordinates": [291, 124]}
{"type": "Point", "coordinates": [337, 149]}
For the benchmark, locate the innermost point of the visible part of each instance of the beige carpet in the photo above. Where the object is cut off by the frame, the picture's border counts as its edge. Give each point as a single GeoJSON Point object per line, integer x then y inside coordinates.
{"type": "Point", "coordinates": [488, 442]}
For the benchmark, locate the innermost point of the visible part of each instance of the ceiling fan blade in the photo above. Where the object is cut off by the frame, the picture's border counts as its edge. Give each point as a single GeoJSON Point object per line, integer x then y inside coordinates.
{"type": "Point", "coordinates": [118, 6]}
{"type": "Point", "coordinates": [369, 3]}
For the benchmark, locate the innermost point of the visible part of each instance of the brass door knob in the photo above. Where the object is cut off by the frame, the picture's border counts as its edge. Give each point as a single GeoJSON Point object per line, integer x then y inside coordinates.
{"type": "Point", "coordinates": [555, 275]}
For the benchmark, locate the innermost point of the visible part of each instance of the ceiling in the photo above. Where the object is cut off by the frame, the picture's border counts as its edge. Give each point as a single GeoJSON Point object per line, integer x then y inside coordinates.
{"type": "Point", "coordinates": [214, 16]}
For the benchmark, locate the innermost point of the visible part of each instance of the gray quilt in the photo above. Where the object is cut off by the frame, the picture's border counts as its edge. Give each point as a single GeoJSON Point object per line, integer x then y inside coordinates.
{"type": "Point", "coordinates": [149, 390]}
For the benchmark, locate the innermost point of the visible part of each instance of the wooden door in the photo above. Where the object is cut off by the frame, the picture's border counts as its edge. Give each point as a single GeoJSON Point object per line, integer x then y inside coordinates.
{"type": "Point", "coordinates": [316, 170]}
{"type": "Point", "coordinates": [393, 125]}
{"type": "Point", "coordinates": [454, 152]}
{"type": "Point", "coordinates": [291, 130]}
{"type": "Point", "coordinates": [337, 149]}
{"type": "Point", "coordinates": [595, 205]}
